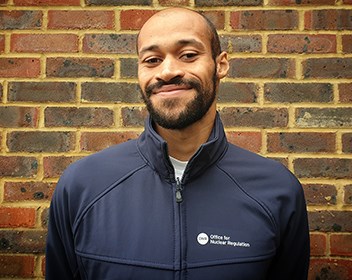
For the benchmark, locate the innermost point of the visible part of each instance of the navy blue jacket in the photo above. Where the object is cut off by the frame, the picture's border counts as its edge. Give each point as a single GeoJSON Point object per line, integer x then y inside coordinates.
{"type": "Point", "coordinates": [121, 214]}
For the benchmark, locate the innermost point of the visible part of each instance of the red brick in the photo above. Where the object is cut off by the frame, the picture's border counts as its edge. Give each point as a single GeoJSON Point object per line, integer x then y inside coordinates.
{"type": "Point", "coordinates": [335, 168]}
{"type": "Point", "coordinates": [27, 191]}
{"type": "Point", "coordinates": [330, 221]}
{"type": "Point", "coordinates": [78, 117]}
{"type": "Point", "coordinates": [23, 241]}
{"type": "Point", "coordinates": [128, 68]}
{"type": "Point", "coordinates": [42, 92]}
{"type": "Point", "coordinates": [347, 1]}
{"type": "Point", "coordinates": [2, 43]}
{"type": "Point", "coordinates": [237, 92]}
{"type": "Point", "coordinates": [347, 142]}
{"type": "Point", "coordinates": [80, 67]}
{"type": "Point", "coordinates": [345, 93]}
{"type": "Point", "coordinates": [348, 194]}
{"type": "Point", "coordinates": [347, 43]}
{"type": "Point", "coordinates": [134, 19]}
{"type": "Point", "coordinates": [43, 266]}
{"type": "Point", "coordinates": [40, 43]}
{"type": "Point", "coordinates": [20, 19]}
{"type": "Point", "coordinates": [95, 141]}
{"type": "Point", "coordinates": [45, 218]}
{"type": "Point", "coordinates": [47, 2]}
{"type": "Point", "coordinates": [81, 20]}
{"type": "Point", "coordinates": [318, 194]}
{"type": "Point", "coordinates": [241, 43]}
{"type": "Point", "coordinates": [18, 166]}
{"type": "Point", "coordinates": [40, 141]}
{"type": "Point", "coordinates": [301, 2]}
{"type": "Point", "coordinates": [248, 140]}
{"type": "Point", "coordinates": [324, 117]}
{"type": "Point", "coordinates": [341, 245]}
{"type": "Point", "coordinates": [318, 244]}
{"type": "Point", "coordinates": [174, 2]}
{"type": "Point", "coordinates": [111, 92]}
{"type": "Point", "coordinates": [19, 67]}
{"type": "Point", "coordinates": [110, 43]}
{"type": "Point", "coordinates": [296, 43]}
{"type": "Point", "coordinates": [207, 3]}
{"type": "Point", "coordinates": [298, 92]}
{"type": "Point", "coordinates": [261, 68]}
{"type": "Point", "coordinates": [55, 165]}
{"type": "Point", "coordinates": [264, 20]}
{"type": "Point", "coordinates": [328, 20]}
{"type": "Point", "coordinates": [330, 269]}
{"type": "Point", "coordinates": [3, 2]}
{"type": "Point", "coordinates": [328, 68]}
{"type": "Point", "coordinates": [133, 116]}
{"type": "Point", "coordinates": [282, 160]}
{"type": "Point", "coordinates": [119, 2]}
{"type": "Point", "coordinates": [17, 266]}
{"type": "Point", "coordinates": [17, 217]}
{"type": "Point", "coordinates": [13, 116]}
{"type": "Point", "coordinates": [254, 117]}
{"type": "Point", "coordinates": [301, 142]}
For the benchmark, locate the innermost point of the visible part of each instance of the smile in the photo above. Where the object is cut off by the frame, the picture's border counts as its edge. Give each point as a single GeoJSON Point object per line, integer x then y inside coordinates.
{"type": "Point", "coordinates": [168, 90]}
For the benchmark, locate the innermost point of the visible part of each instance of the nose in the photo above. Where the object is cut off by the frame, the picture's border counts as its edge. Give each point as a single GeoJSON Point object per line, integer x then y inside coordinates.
{"type": "Point", "coordinates": [170, 68]}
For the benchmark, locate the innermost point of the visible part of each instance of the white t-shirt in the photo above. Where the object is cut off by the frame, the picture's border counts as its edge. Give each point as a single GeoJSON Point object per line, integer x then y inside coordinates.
{"type": "Point", "coordinates": [179, 167]}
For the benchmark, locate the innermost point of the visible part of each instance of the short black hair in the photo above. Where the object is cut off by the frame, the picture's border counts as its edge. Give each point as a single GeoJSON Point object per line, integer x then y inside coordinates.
{"type": "Point", "coordinates": [214, 37]}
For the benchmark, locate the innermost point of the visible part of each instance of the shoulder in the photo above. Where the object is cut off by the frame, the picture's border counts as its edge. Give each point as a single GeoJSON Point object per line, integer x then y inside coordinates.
{"type": "Point", "coordinates": [259, 176]}
{"type": "Point", "coordinates": [116, 159]}
{"type": "Point", "coordinates": [266, 181]}
{"type": "Point", "coordinates": [90, 176]}
{"type": "Point", "coordinates": [251, 163]}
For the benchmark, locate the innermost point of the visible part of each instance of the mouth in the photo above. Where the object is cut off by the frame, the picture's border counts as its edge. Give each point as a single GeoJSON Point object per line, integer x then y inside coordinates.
{"type": "Point", "coordinates": [169, 90]}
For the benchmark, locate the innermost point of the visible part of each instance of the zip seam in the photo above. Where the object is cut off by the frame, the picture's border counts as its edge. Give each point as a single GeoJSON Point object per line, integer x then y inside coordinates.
{"type": "Point", "coordinates": [178, 192]}
{"type": "Point", "coordinates": [182, 252]}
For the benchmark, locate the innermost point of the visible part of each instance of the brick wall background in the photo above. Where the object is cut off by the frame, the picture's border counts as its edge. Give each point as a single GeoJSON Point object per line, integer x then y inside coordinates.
{"type": "Point", "coordinates": [68, 88]}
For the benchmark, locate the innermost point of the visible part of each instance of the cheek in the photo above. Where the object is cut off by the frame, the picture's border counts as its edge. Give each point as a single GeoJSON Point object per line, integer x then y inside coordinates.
{"type": "Point", "coordinates": [204, 72]}
{"type": "Point", "coordinates": [144, 78]}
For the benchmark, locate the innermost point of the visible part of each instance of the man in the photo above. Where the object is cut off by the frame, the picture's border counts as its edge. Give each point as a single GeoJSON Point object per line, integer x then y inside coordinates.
{"type": "Point", "coordinates": [180, 202]}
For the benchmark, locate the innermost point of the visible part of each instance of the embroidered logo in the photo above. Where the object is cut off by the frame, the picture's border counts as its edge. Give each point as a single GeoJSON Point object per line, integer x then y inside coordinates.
{"type": "Point", "coordinates": [202, 238]}
{"type": "Point", "coordinates": [220, 240]}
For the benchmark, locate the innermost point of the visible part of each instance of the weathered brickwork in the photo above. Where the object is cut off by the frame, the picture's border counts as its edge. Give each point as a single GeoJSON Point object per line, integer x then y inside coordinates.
{"type": "Point", "coordinates": [68, 88]}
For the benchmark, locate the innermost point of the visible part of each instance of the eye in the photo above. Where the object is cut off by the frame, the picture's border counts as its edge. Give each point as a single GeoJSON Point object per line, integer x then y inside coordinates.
{"type": "Point", "coordinates": [152, 61]}
{"type": "Point", "coordinates": [189, 56]}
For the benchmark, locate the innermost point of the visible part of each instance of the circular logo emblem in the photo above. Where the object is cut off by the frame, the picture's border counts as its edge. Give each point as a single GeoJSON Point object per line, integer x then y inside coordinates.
{"type": "Point", "coordinates": [202, 238]}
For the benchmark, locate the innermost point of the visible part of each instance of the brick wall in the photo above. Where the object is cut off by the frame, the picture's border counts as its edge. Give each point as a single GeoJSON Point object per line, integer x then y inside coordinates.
{"type": "Point", "coordinates": [68, 88]}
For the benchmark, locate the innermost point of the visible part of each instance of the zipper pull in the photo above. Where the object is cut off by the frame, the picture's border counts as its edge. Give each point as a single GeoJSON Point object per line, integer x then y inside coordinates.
{"type": "Point", "coordinates": [179, 188]}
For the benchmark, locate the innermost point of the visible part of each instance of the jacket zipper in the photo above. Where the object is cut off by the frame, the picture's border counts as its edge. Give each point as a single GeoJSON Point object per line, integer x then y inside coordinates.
{"type": "Point", "coordinates": [179, 199]}
{"type": "Point", "coordinates": [179, 189]}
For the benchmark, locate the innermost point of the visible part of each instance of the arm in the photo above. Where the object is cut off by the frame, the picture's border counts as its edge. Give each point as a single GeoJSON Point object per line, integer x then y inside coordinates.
{"type": "Point", "coordinates": [292, 258]}
{"type": "Point", "coordinates": [60, 256]}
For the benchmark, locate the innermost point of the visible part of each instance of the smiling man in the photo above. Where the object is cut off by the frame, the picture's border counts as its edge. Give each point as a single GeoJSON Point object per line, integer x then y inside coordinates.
{"type": "Point", "coordinates": [180, 65]}
{"type": "Point", "coordinates": [179, 202]}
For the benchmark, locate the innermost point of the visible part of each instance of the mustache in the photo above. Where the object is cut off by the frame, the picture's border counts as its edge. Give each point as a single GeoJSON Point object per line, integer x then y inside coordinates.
{"type": "Point", "coordinates": [174, 81]}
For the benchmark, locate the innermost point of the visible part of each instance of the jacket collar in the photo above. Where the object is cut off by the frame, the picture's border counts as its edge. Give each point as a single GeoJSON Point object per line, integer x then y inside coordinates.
{"type": "Point", "coordinates": [154, 150]}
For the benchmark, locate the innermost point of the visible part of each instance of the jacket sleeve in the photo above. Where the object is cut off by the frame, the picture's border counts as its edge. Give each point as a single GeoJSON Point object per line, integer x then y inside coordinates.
{"type": "Point", "coordinates": [292, 259]}
{"type": "Point", "coordinates": [60, 259]}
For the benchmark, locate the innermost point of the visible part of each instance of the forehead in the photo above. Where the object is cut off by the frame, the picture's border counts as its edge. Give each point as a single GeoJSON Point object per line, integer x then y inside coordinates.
{"type": "Point", "coordinates": [172, 26]}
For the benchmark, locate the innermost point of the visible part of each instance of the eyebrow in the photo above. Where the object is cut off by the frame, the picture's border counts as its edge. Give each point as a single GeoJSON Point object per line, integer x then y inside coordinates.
{"type": "Point", "coordinates": [191, 42]}
{"type": "Point", "coordinates": [181, 43]}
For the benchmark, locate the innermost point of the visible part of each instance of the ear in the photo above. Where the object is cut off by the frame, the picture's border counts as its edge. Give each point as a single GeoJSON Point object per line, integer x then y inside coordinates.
{"type": "Point", "coordinates": [222, 65]}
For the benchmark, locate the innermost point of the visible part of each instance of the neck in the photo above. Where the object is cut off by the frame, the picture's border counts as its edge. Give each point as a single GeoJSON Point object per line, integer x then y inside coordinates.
{"type": "Point", "coordinates": [183, 143]}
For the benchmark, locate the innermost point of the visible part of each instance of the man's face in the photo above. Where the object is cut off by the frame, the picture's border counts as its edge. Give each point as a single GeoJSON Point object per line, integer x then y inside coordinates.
{"type": "Point", "coordinates": [176, 71]}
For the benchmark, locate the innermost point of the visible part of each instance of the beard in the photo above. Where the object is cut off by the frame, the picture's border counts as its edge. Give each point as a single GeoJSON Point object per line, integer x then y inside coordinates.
{"type": "Point", "coordinates": [193, 110]}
